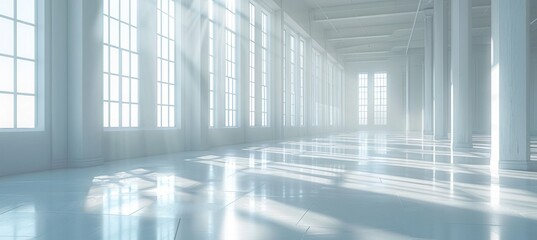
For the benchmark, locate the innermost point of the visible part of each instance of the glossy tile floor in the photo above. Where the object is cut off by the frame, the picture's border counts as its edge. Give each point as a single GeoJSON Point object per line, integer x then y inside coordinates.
{"type": "Point", "coordinates": [349, 186]}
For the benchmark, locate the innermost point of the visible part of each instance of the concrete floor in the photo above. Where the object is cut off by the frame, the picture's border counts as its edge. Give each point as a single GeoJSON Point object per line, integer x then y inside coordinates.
{"type": "Point", "coordinates": [348, 186]}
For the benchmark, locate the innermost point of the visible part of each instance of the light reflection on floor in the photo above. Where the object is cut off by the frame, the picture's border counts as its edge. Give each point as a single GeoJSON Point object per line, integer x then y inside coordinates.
{"type": "Point", "coordinates": [348, 186]}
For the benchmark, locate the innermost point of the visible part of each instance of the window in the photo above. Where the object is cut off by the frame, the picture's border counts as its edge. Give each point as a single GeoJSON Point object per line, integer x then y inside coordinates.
{"type": "Point", "coordinates": [362, 98]}
{"type": "Point", "coordinates": [252, 65]}
{"type": "Point", "coordinates": [212, 97]}
{"type": "Point", "coordinates": [317, 63]}
{"type": "Point", "coordinates": [381, 108]}
{"type": "Point", "coordinates": [330, 93]}
{"type": "Point", "coordinates": [285, 78]}
{"type": "Point", "coordinates": [231, 88]}
{"type": "Point", "coordinates": [166, 63]}
{"type": "Point", "coordinates": [264, 70]}
{"type": "Point", "coordinates": [120, 63]}
{"type": "Point", "coordinates": [258, 71]}
{"type": "Point", "coordinates": [18, 64]}
{"type": "Point", "coordinates": [301, 82]}
{"type": "Point", "coordinates": [292, 78]}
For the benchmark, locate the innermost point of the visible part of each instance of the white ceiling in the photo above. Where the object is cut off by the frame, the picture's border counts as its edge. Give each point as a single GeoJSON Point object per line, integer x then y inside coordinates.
{"type": "Point", "coordinates": [365, 30]}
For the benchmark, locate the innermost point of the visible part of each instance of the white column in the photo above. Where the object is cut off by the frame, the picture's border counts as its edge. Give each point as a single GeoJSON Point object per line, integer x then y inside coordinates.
{"type": "Point", "coordinates": [427, 127]}
{"type": "Point", "coordinates": [509, 84]}
{"type": "Point", "coordinates": [407, 95]}
{"type": "Point", "coordinates": [461, 110]}
{"type": "Point", "coordinates": [195, 101]}
{"type": "Point", "coordinates": [85, 83]}
{"type": "Point", "coordinates": [440, 45]}
{"type": "Point", "coordinates": [147, 30]}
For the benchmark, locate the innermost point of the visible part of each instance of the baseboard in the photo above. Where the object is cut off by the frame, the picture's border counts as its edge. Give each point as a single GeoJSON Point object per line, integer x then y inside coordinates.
{"type": "Point", "coordinates": [81, 163]}
{"type": "Point", "coordinates": [519, 165]}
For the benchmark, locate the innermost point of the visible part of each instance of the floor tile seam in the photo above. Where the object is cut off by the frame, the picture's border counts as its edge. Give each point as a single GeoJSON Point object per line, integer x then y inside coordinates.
{"type": "Point", "coordinates": [303, 215]}
{"type": "Point", "coordinates": [236, 199]}
{"type": "Point", "coordinates": [9, 209]}
{"type": "Point", "coordinates": [177, 229]}
{"type": "Point", "coordinates": [305, 233]}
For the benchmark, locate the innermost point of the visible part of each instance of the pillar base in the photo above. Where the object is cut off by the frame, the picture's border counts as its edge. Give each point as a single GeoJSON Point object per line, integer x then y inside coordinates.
{"type": "Point", "coordinates": [82, 163]}
{"type": "Point", "coordinates": [518, 165]}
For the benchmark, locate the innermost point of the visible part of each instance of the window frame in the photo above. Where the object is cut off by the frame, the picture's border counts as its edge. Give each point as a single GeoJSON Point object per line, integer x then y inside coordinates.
{"type": "Point", "coordinates": [380, 81]}
{"type": "Point", "coordinates": [38, 80]}
{"type": "Point", "coordinates": [171, 84]}
{"type": "Point", "coordinates": [363, 99]}
{"type": "Point", "coordinates": [132, 78]}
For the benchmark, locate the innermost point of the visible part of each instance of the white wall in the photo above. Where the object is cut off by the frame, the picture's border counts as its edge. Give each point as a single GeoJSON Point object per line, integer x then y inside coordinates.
{"type": "Point", "coordinates": [481, 89]}
{"type": "Point", "coordinates": [533, 80]}
{"type": "Point", "coordinates": [395, 68]}
{"type": "Point", "coordinates": [416, 74]}
{"type": "Point", "coordinates": [52, 146]}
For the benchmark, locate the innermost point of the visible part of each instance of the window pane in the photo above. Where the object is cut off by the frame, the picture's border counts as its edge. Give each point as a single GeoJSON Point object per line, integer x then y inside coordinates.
{"type": "Point", "coordinates": [105, 114]}
{"type": "Point", "coordinates": [6, 41]}
{"type": "Point", "coordinates": [134, 9]}
{"type": "Point", "coordinates": [124, 10]}
{"type": "Point", "coordinates": [114, 88]}
{"type": "Point", "coordinates": [134, 65]}
{"type": "Point", "coordinates": [6, 74]}
{"type": "Point", "coordinates": [6, 8]}
{"type": "Point", "coordinates": [25, 41]}
{"type": "Point", "coordinates": [25, 10]}
{"type": "Point", "coordinates": [114, 32]}
{"type": "Point", "coordinates": [125, 113]}
{"type": "Point", "coordinates": [25, 111]}
{"type": "Point", "coordinates": [114, 60]}
{"type": "Point", "coordinates": [134, 91]}
{"type": "Point", "coordinates": [6, 111]}
{"type": "Point", "coordinates": [106, 56]}
{"type": "Point", "coordinates": [134, 115]}
{"type": "Point", "coordinates": [134, 39]}
{"type": "Point", "coordinates": [106, 89]}
{"type": "Point", "coordinates": [114, 8]}
{"type": "Point", "coordinates": [125, 36]}
{"type": "Point", "coordinates": [125, 91]}
{"type": "Point", "coordinates": [25, 76]}
{"type": "Point", "coordinates": [114, 114]}
{"type": "Point", "coordinates": [125, 63]}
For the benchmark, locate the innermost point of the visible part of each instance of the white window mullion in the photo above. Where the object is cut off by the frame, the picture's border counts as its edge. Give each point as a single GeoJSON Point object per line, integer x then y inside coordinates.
{"type": "Point", "coordinates": [166, 64]}
{"type": "Point", "coordinates": [252, 65]}
{"type": "Point", "coordinates": [18, 87]}
{"type": "Point", "coordinates": [381, 108]}
{"type": "Point", "coordinates": [120, 57]}
{"type": "Point", "coordinates": [264, 70]}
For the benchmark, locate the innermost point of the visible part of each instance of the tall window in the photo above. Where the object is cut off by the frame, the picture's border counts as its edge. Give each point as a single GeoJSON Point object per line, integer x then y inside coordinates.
{"type": "Point", "coordinates": [120, 53]}
{"type": "Point", "coordinates": [285, 79]}
{"type": "Point", "coordinates": [330, 93]}
{"type": "Point", "coordinates": [381, 107]}
{"type": "Point", "coordinates": [18, 64]}
{"type": "Point", "coordinates": [317, 63]}
{"type": "Point", "coordinates": [292, 79]}
{"type": "Point", "coordinates": [264, 70]}
{"type": "Point", "coordinates": [301, 79]}
{"type": "Point", "coordinates": [252, 65]}
{"type": "Point", "coordinates": [231, 88]}
{"type": "Point", "coordinates": [212, 97]}
{"type": "Point", "coordinates": [166, 63]}
{"type": "Point", "coordinates": [362, 98]}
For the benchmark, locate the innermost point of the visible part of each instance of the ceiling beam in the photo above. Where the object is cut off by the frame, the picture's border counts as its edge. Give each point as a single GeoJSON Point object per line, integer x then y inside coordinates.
{"type": "Point", "coordinates": [364, 53]}
{"type": "Point", "coordinates": [362, 17]}
{"type": "Point", "coordinates": [372, 37]}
